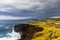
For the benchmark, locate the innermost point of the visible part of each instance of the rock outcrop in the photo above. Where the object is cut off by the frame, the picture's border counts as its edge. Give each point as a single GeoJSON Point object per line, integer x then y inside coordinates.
{"type": "Point", "coordinates": [41, 30]}
{"type": "Point", "coordinates": [27, 30]}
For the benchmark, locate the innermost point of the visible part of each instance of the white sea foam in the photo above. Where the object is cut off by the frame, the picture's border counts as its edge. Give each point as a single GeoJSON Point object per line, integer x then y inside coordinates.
{"type": "Point", "coordinates": [11, 36]}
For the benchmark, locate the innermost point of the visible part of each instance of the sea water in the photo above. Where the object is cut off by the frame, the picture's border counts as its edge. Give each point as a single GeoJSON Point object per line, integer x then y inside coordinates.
{"type": "Point", "coordinates": [11, 36]}
{"type": "Point", "coordinates": [7, 29]}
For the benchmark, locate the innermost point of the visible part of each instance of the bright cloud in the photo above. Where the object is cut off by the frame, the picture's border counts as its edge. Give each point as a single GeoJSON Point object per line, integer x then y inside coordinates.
{"type": "Point", "coordinates": [55, 17]}
{"type": "Point", "coordinates": [8, 5]}
{"type": "Point", "coordinates": [12, 18]}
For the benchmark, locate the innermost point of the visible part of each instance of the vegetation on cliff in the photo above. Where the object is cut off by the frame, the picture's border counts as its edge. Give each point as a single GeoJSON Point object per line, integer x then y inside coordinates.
{"type": "Point", "coordinates": [50, 30]}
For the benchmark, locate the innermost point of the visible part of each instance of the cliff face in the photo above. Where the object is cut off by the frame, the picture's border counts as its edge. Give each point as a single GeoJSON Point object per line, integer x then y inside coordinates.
{"type": "Point", "coordinates": [43, 30]}
{"type": "Point", "coordinates": [27, 30]}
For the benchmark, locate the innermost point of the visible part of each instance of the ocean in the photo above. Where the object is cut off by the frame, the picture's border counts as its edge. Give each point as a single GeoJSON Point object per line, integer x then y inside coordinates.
{"type": "Point", "coordinates": [7, 29]}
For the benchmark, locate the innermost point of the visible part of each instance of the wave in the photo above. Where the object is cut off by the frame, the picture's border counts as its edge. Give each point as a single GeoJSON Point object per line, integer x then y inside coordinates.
{"type": "Point", "coordinates": [11, 36]}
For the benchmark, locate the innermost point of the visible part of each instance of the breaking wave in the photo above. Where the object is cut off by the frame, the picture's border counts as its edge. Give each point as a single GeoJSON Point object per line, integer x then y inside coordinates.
{"type": "Point", "coordinates": [11, 36]}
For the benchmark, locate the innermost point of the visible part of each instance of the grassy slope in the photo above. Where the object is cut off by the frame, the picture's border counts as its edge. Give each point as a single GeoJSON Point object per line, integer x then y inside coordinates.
{"type": "Point", "coordinates": [51, 30]}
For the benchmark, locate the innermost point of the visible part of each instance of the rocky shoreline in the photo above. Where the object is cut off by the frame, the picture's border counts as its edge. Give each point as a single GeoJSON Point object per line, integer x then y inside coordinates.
{"type": "Point", "coordinates": [43, 30]}
{"type": "Point", "coordinates": [27, 30]}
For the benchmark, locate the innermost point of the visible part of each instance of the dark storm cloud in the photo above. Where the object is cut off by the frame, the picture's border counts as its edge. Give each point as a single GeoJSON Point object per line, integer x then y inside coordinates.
{"type": "Point", "coordinates": [30, 8]}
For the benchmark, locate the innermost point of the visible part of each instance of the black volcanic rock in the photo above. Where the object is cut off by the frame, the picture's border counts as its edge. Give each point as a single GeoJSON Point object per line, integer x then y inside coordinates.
{"type": "Point", "coordinates": [27, 30]}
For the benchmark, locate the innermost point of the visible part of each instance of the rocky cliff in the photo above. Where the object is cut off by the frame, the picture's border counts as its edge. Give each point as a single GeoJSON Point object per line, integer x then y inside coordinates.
{"type": "Point", "coordinates": [27, 30]}
{"type": "Point", "coordinates": [45, 30]}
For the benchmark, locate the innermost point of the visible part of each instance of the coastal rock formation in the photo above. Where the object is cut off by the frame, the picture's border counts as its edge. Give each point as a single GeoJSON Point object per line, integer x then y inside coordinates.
{"type": "Point", "coordinates": [27, 30]}
{"type": "Point", "coordinates": [41, 30]}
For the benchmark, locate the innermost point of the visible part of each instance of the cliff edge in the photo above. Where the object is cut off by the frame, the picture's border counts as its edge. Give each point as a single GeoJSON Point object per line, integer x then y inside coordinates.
{"type": "Point", "coordinates": [43, 30]}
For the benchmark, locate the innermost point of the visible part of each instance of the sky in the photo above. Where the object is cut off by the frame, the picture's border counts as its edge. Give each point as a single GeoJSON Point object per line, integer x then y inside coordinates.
{"type": "Point", "coordinates": [24, 9]}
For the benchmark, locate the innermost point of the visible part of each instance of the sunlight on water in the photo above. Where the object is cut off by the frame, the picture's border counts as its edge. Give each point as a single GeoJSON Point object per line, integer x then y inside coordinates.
{"type": "Point", "coordinates": [11, 36]}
